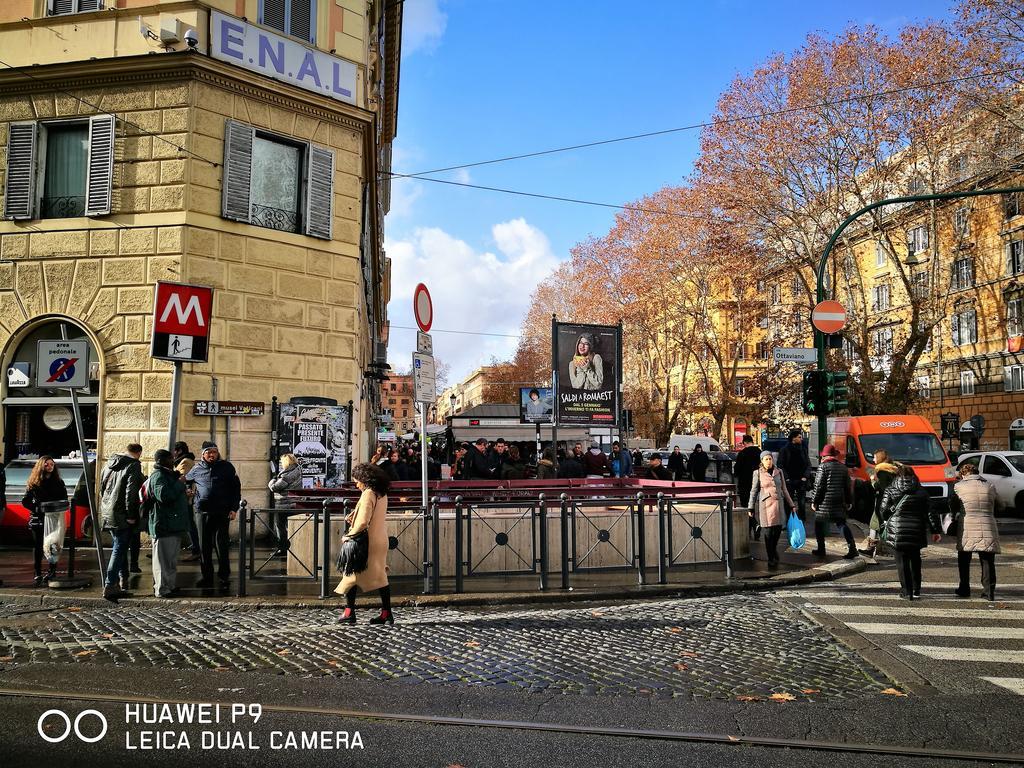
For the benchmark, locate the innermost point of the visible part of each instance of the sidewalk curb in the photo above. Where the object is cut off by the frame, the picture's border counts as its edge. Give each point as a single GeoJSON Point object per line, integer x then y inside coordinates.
{"type": "Point", "coordinates": [836, 570]}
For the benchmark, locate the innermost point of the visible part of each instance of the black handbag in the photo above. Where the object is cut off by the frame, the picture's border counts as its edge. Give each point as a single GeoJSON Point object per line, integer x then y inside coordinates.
{"type": "Point", "coordinates": [355, 552]}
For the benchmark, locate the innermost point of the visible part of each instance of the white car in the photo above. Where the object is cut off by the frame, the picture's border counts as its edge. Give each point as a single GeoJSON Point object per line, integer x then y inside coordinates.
{"type": "Point", "coordinates": [1005, 470]}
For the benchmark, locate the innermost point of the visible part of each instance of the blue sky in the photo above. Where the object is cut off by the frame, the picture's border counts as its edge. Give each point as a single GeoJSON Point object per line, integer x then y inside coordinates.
{"type": "Point", "coordinates": [486, 78]}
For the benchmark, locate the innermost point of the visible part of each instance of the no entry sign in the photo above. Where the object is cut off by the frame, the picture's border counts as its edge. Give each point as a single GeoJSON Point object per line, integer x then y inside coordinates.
{"type": "Point", "coordinates": [181, 322]}
{"type": "Point", "coordinates": [423, 307]}
{"type": "Point", "coordinates": [829, 317]}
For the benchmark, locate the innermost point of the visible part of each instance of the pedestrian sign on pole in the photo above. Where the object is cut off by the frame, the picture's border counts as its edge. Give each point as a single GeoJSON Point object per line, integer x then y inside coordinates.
{"type": "Point", "coordinates": [829, 317]}
{"type": "Point", "coordinates": [181, 322]}
{"type": "Point", "coordinates": [424, 343]}
{"type": "Point", "coordinates": [423, 381]}
{"type": "Point", "coordinates": [62, 364]}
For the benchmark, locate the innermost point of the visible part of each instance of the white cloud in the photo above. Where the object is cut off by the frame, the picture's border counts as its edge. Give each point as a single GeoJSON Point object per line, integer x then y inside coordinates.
{"type": "Point", "coordinates": [423, 25]}
{"type": "Point", "coordinates": [404, 194]}
{"type": "Point", "coordinates": [471, 290]}
{"type": "Point", "coordinates": [462, 176]}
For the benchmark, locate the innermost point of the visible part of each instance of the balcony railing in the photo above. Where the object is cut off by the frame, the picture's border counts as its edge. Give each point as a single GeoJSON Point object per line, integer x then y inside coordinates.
{"type": "Point", "coordinates": [275, 218]}
{"type": "Point", "coordinates": [61, 207]}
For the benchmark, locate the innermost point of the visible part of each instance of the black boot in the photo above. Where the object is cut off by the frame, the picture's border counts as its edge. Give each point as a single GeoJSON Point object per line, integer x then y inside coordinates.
{"type": "Point", "coordinates": [386, 616]}
{"type": "Point", "coordinates": [51, 573]}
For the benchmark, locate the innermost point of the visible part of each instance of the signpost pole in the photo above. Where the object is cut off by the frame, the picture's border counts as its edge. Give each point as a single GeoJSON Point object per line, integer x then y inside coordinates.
{"type": "Point", "coordinates": [554, 387]}
{"type": "Point", "coordinates": [172, 425]}
{"type": "Point", "coordinates": [423, 453]}
{"type": "Point", "coordinates": [89, 489]}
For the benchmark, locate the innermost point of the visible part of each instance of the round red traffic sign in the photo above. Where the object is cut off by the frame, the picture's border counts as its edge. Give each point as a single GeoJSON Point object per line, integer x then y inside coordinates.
{"type": "Point", "coordinates": [422, 307]}
{"type": "Point", "coordinates": [829, 317]}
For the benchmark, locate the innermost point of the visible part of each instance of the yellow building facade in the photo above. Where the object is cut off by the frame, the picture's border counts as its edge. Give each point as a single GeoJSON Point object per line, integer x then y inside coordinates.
{"type": "Point", "coordinates": [148, 140]}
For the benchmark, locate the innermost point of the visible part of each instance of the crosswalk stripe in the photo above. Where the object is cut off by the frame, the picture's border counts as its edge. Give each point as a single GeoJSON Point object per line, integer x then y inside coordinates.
{"type": "Point", "coordinates": [923, 612]}
{"type": "Point", "coordinates": [1015, 684]}
{"type": "Point", "coordinates": [931, 597]}
{"type": "Point", "coordinates": [988, 655]}
{"type": "Point", "coordinates": [940, 630]}
{"type": "Point", "coordinates": [927, 586]}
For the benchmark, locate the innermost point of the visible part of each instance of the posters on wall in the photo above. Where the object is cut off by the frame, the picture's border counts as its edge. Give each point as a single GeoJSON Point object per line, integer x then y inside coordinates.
{"type": "Point", "coordinates": [318, 436]}
{"type": "Point", "coordinates": [536, 405]}
{"type": "Point", "coordinates": [587, 360]}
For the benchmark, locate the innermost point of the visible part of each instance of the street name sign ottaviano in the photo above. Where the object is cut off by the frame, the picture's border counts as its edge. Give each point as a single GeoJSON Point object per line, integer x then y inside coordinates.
{"type": "Point", "coordinates": [251, 47]}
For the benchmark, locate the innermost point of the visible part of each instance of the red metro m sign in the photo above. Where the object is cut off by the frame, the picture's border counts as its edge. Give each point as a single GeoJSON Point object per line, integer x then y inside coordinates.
{"type": "Point", "coordinates": [181, 322]}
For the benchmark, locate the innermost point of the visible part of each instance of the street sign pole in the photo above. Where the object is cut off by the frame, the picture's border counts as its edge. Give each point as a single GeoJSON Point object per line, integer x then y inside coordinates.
{"type": "Point", "coordinates": [90, 491]}
{"type": "Point", "coordinates": [423, 456]}
{"type": "Point", "coordinates": [172, 424]}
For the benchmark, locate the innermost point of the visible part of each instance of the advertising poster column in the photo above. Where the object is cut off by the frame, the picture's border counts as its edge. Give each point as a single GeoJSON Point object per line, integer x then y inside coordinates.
{"type": "Point", "coordinates": [587, 363]}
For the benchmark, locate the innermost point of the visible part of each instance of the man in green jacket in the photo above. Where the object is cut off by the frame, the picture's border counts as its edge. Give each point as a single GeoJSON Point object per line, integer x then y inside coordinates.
{"type": "Point", "coordinates": [168, 521]}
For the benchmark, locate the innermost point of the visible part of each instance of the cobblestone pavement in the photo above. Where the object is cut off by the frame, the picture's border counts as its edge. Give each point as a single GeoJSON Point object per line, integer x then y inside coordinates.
{"type": "Point", "coordinates": [716, 647]}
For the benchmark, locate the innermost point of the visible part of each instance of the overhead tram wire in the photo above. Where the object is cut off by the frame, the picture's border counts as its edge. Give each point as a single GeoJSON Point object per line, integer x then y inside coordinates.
{"type": "Point", "coordinates": [467, 333]}
{"type": "Point", "coordinates": [557, 198]}
{"type": "Point", "coordinates": [710, 123]}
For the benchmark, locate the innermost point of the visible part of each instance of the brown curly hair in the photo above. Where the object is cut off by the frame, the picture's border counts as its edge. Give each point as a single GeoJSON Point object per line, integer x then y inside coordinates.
{"type": "Point", "coordinates": [35, 477]}
{"type": "Point", "coordinates": [373, 477]}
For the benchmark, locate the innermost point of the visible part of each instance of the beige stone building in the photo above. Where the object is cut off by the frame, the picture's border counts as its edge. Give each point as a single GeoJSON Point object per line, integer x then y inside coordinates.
{"type": "Point", "coordinates": [231, 143]}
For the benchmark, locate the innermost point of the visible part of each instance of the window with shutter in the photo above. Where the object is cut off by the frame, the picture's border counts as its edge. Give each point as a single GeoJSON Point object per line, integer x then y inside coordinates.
{"type": "Point", "coordinates": [100, 166]}
{"type": "Point", "coordinates": [292, 17]}
{"type": "Point", "coordinates": [1015, 257]}
{"type": "Point", "coordinates": [238, 139]}
{"type": "Point", "coordinates": [319, 193]}
{"type": "Point", "coordinates": [19, 191]}
{"type": "Point", "coordinates": [64, 7]}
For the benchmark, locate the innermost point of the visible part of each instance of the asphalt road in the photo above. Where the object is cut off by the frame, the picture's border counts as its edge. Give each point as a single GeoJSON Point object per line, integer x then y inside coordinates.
{"type": "Point", "coordinates": [818, 664]}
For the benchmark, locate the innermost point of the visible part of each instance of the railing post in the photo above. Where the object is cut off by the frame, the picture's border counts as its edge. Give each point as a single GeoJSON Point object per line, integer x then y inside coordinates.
{"type": "Point", "coordinates": [542, 515]}
{"type": "Point", "coordinates": [316, 548]}
{"type": "Point", "coordinates": [459, 545]}
{"type": "Point", "coordinates": [426, 546]}
{"type": "Point", "coordinates": [662, 557]}
{"type": "Point", "coordinates": [326, 545]}
{"type": "Point", "coordinates": [564, 498]}
{"type": "Point", "coordinates": [727, 544]}
{"type": "Point", "coordinates": [252, 544]}
{"type": "Point", "coordinates": [435, 546]}
{"type": "Point", "coordinates": [243, 533]}
{"type": "Point", "coordinates": [71, 544]}
{"type": "Point", "coordinates": [641, 538]}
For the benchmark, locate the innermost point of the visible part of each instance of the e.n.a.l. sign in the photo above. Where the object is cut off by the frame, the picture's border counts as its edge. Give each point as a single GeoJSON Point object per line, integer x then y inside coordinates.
{"type": "Point", "coordinates": [246, 45]}
{"type": "Point", "coordinates": [181, 322]}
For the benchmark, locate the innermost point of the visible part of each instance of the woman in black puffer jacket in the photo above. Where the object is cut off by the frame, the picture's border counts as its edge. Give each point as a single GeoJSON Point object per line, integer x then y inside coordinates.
{"type": "Point", "coordinates": [907, 519]}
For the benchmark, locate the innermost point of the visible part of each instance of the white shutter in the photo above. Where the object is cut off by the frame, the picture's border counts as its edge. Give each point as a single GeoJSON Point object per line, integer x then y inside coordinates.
{"type": "Point", "coordinates": [238, 138]}
{"type": "Point", "coordinates": [319, 193]}
{"type": "Point", "coordinates": [954, 326]}
{"type": "Point", "coordinates": [89, 5]}
{"type": "Point", "coordinates": [100, 166]}
{"type": "Point", "coordinates": [20, 190]}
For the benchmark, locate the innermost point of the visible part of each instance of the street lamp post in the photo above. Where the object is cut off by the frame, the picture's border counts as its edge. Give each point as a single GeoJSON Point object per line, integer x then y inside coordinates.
{"type": "Point", "coordinates": [819, 337]}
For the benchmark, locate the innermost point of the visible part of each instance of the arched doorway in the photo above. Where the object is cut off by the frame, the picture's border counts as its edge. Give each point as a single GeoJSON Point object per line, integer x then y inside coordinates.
{"type": "Point", "coordinates": [40, 421]}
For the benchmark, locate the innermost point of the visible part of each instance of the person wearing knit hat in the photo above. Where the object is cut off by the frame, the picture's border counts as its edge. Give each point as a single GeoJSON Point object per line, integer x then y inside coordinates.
{"type": "Point", "coordinates": [218, 493]}
{"type": "Point", "coordinates": [168, 520]}
{"type": "Point", "coordinates": [831, 499]}
{"type": "Point", "coordinates": [769, 500]}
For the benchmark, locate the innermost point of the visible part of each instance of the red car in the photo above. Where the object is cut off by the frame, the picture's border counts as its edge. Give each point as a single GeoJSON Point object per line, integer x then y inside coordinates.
{"type": "Point", "coordinates": [14, 524]}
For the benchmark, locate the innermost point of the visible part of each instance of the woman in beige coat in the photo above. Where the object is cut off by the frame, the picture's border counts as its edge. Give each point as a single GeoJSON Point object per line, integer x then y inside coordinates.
{"type": "Point", "coordinates": [769, 499]}
{"type": "Point", "coordinates": [370, 515]}
{"type": "Point", "coordinates": [973, 503]}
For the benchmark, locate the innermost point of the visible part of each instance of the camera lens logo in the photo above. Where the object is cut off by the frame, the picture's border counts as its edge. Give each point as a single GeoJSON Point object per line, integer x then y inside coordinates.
{"type": "Point", "coordinates": [68, 726]}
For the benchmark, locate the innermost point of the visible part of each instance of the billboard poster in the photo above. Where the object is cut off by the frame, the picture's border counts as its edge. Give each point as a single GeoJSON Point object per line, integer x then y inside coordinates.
{"type": "Point", "coordinates": [318, 436]}
{"type": "Point", "coordinates": [587, 359]}
{"type": "Point", "coordinates": [536, 405]}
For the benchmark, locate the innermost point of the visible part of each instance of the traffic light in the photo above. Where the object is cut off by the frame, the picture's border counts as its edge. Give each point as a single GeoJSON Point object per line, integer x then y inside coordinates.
{"type": "Point", "coordinates": [835, 391]}
{"type": "Point", "coordinates": [813, 393]}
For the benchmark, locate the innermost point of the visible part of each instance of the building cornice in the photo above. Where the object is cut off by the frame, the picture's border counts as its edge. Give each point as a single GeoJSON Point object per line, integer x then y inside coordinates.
{"type": "Point", "coordinates": [179, 66]}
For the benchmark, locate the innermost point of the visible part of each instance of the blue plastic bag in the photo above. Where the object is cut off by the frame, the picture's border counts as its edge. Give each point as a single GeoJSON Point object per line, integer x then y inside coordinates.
{"type": "Point", "coordinates": [797, 534]}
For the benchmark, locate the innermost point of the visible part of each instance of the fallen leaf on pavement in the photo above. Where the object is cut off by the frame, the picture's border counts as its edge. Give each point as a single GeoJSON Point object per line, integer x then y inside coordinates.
{"type": "Point", "coordinates": [810, 690]}
{"type": "Point", "coordinates": [6, 658]}
{"type": "Point", "coordinates": [107, 635]}
{"type": "Point", "coordinates": [472, 644]}
{"type": "Point", "coordinates": [689, 654]}
{"type": "Point", "coordinates": [74, 608]}
{"type": "Point", "coordinates": [682, 667]}
{"type": "Point", "coordinates": [734, 738]}
{"type": "Point", "coordinates": [893, 692]}
{"type": "Point", "coordinates": [782, 697]}
{"type": "Point", "coordinates": [674, 629]}
{"type": "Point", "coordinates": [86, 653]}
{"type": "Point", "coordinates": [596, 613]}
{"type": "Point", "coordinates": [435, 658]}
{"type": "Point", "coordinates": [221, 669]}
{"type": "Point", "coordinates": [332, 662]}
{"type": "Point", "coordinates": [282, 652]}
{"type": "Point", "coordinates": [748, 698]}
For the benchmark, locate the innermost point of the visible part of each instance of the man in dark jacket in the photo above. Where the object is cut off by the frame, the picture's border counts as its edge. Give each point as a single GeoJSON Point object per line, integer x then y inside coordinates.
{"type": "Point", "coordinates": [168, 521]}
{"type": "Point", "coordinates": [595, 462]}
{"type": "Point", "coordinates": [831, 499]}
{"type": "Point", "coordinates": [747, 462]}
{"type": "Point", "coordinates": [498, 456]}
{"type": "Point", "coordinates": [218, 494]}
{"type": "Point", "coordinates": [698, 463]}
{"type": "Point", "coordinates": [794, 464]}
{"type": "Point", "coordinates": [120, 482]}
{"type": "Point", "coordinates": [571, 467]}
{"type": "Point", "coordinates": [622, 462]}
{"type": "Point", "coordinates": [478, 463]}
{"type": "Point", "coordinates": [676, 463]}
{"type": "Point", "coordinates": [655, 469]}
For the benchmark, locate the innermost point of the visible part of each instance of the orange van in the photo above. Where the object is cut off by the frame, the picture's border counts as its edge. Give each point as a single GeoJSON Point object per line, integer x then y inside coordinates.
{"type": "Point", "coordinates": [907, 439]}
